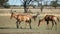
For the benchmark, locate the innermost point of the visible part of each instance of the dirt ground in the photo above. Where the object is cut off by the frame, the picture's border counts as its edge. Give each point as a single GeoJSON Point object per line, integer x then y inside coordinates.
{"type": "Point", "coordinates": [8, 26]}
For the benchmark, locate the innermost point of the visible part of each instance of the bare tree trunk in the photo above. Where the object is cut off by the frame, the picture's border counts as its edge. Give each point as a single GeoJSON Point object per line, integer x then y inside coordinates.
{"type": "Point", "coordinates": [41, 7]}
{"type": "Point", "coordinates": [25, 7]}
{"type": "Point", "coordinates": [26, 4]}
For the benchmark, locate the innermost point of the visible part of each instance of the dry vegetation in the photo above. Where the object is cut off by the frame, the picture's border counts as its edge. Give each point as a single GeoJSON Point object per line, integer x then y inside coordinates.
{"type": "Point", "coordinates": [8, 26]}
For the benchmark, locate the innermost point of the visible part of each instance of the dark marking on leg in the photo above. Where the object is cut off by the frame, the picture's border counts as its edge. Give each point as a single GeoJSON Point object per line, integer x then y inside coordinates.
{"type": "Point", "coordinates": [47, 24]}
{"type": "Point", "coordinates": [55, 25]}
{"type": "Point", "coordinates": [30, 24]}
{"type": "Point", "coordinates": [17, 24]}
{"type": "Point", "coordinates": [52, 25]}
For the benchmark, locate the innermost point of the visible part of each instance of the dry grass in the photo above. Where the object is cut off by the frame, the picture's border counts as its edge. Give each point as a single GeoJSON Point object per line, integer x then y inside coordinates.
{"type": "Point", "coordinates": [8, 26]}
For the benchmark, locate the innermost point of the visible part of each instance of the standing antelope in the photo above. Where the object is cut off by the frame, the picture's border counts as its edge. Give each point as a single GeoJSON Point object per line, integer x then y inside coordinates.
{"type": "Point", "coordinates": [20, 18]}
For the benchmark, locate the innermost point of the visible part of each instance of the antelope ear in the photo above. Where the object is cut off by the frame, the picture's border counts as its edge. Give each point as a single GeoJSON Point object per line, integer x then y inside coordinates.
{"type": "Point", "coordinates": [15, 11]}
{"type": "Point", "coordinates": [11, 11]}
